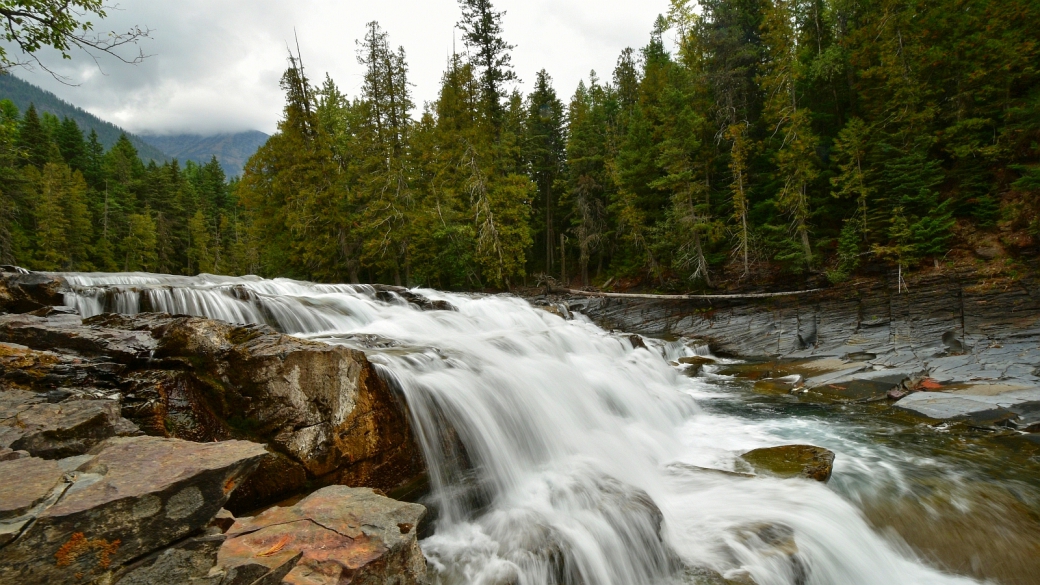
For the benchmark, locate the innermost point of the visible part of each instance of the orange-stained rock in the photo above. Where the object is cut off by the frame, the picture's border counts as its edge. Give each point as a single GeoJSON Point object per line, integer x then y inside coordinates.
{"type": "Point", "coordinates": [335, 535]}
{"type": "Point", "coordinates": [128, 498]}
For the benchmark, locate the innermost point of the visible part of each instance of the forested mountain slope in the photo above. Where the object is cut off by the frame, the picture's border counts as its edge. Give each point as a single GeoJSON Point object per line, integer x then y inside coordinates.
{"type": "Point", "coordinates": [231, 150]}
{"type": "Point", "coordinates": [23, 94]}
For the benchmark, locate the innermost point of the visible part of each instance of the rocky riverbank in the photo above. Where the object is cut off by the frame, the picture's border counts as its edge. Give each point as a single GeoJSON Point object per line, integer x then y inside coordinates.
{"type": "Point", "coordinates": [127, 443]}
{"type": "Point", "coordinates": [944, 346]}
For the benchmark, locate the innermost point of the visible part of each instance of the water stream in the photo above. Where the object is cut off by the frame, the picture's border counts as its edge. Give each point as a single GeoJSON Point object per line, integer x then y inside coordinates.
{"type": "Point", "coordinates": [560, 453]}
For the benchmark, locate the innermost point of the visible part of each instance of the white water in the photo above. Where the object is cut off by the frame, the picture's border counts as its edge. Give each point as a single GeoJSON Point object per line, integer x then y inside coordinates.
{"type": "Point", "coordinates": [563, 436]}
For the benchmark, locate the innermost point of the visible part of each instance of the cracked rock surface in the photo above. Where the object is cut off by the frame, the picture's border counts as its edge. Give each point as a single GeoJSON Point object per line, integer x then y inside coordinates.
{"type": "Point", "coordinates": [335, 535]}
{"type": "Point", "coordinates": [77, 519]}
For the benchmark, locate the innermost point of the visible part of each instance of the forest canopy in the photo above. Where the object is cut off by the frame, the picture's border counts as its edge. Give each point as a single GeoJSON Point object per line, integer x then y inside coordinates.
{"type": "Point", "coordinates": [746, 138]}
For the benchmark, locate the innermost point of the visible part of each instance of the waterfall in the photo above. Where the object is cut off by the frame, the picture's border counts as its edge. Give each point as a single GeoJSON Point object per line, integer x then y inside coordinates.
{"type": "Point", "coordinates": [559, 453]}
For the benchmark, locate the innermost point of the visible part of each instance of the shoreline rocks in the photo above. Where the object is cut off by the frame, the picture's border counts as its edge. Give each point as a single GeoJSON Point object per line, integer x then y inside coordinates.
{"type": "Point", "coordinates": [873, 341]}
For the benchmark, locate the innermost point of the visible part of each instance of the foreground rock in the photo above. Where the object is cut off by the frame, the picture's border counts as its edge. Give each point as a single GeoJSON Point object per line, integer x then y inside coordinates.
{"type": "Point", "coordinates": [324, 413]}
{"type": "Point", "coordinates": [814, 463]}
{"type": "Point", "coordinates": [335, 535]}
{"type": "Point", "coordinates": [81, 518]}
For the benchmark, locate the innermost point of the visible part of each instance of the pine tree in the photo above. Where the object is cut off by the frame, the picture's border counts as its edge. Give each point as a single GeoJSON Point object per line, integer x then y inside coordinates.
{"type": "Point", "coordinates": [200, 253]}
{"type": "Point", "coordinates": [545, 149]}
{"type": "Point", "coordinates": [139, 244]}
{"type": "Point", "coordinates": [791, 127]}
{"type": "Point", "coordinates": [71, 144]}
{"type": "Point", "coordinates": [33, 142]}
{"type": "Point", "coordinates": [481, 29]}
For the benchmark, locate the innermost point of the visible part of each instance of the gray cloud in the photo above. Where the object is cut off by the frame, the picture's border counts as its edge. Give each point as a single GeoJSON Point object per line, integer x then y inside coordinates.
{"type": "Point", "coordinates": [215, 65]}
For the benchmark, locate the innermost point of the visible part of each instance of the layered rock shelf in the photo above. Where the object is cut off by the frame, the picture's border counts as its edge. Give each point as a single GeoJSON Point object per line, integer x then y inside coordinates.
{"type": "Point", "coordinates": [971, 347]}
{"type": "Point", "coordinates": [129, 443]}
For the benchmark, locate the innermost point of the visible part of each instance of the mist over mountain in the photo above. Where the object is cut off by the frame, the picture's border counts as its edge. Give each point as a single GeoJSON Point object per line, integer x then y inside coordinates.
{"type": "Point", "coordinates": [23, 94]}
{"type": "Point", "coordinates": [231, 150]}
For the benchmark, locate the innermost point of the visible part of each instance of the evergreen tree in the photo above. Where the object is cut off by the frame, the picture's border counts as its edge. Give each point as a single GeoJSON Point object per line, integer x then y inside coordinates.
{"type": "Point", "coordinates": [481, 27]}
{"type": "Point", "coordinates": [546, 150]}
{"type": "Point", "coordinates": [33, 141]}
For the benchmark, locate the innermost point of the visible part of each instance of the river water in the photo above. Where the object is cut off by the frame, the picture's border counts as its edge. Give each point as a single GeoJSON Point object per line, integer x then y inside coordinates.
{"type": "Point", "coordinates": [560, 453]}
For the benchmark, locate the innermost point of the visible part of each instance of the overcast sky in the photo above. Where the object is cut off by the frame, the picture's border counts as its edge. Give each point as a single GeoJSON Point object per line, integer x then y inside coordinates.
{"type": "Point", "coordinates": [215, 64]}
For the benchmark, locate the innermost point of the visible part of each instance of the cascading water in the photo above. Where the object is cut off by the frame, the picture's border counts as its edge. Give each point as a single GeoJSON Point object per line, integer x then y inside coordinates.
{"type": "Point", "coordinates": [561, 453]}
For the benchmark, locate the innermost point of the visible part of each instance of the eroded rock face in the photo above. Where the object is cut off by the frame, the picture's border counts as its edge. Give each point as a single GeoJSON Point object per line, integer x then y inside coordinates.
{"type": "Point", "coordinates": [324, 413]}
{"type": "Point", "coordinates": [83, 517]}
{"type": "Point", "coordinates": [24, 292]}
{"type": "Point", "coordinates": [335, 535]}
{"type": "Point", "coordinates": [806, 461]}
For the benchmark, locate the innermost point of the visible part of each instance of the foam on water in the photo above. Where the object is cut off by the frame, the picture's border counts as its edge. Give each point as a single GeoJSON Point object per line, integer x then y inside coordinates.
{"type": "Point", "coordinates": [552, 444]}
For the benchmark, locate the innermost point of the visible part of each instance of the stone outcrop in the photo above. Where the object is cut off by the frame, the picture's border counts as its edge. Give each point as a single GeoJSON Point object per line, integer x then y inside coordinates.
{"type": "Point", "coordinates": [979, 342]}
{"type": "Point", "coordinates": [79, 519]}
{"type": "Point", "coordinates": [324, 413]}
{"type": "Point", "coordinates": [22, 291]}
{"type": "Point", "coordinates": [787, 461]}
{"type": "Point", "coordinates": [335, 535]}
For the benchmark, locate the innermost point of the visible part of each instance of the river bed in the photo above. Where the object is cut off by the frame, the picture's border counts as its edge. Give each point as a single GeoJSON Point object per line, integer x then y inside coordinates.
{"type": "Point", "coordinates": [560, 453]}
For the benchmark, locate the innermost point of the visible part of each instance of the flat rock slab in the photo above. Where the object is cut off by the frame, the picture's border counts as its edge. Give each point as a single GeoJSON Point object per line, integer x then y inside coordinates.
{"type": "Point", "coordinates": [27, 482]}
{"type": "Point", "coordinates": [335, 535]}
{"type": "Point", "coordinates": [134, 496]}
{"type": "Point", "coordinates": [946, 406]}
{"type": "Point", "coordinates": [793, 461]}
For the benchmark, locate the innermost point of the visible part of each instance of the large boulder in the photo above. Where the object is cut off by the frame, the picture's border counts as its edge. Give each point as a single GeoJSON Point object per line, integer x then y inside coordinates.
{"type": "Point", "coordinates": [79, 519]}
{"type": "Point", "coordinates": [324, 413]}
{"type": "Point", "coordinates": [23, 292]}
{"type": "Point", "coordinates": [789, 461]}
{"type": "Point", "coordinates": [335, 535]}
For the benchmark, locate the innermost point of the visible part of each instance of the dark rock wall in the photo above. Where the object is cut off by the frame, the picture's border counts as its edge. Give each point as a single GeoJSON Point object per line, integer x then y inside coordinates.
{"type": "Point", "coordinates": [953, 311]}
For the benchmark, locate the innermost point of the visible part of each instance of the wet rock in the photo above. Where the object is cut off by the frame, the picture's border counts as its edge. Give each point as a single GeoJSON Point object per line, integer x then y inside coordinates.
{"type": "Point", "coordinates": [638, 343]}
{"type": "Point", "coordinates": [323, 409]}
{"type": "Point", "coordinates": [777, 544]}
{"type": "Point", "coordinates": [54, 431]}
{"type": "Point", "coordinates": [697, 360]}
{"type": "Point", "coordinates": [22, 292]}
{"type": "Point", "coordinates": [946, 406]}
{"type": "Point", "coordinates": [897, 394]}
{"type": "Point", "coordinates": [866, 388]}
{"type": "Point", "coordinates": [782, 385]}
{"type": "Point", "coordinates": [130, 497]}
{"type": "Point", "coordinates": [389, 294]}
{"type": "Point", "coordinates": [787, 461]}
{"type": "Point", "coordinates": [335, 535]}
{"type": "Point", "coordinates": [948, 324]}
{"type": "Point", "coordinates": [72, 334]}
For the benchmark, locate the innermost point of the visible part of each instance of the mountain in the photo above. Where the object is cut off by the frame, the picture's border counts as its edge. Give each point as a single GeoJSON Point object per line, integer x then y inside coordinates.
{"type": "Point", "coordinates": [23, 94]}
{"type": "Point", "coordinates": [231, 150]}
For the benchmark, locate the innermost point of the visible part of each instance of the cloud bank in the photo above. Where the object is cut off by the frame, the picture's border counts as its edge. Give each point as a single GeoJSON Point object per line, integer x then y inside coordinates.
{"type": "Point", "coordinates": [215, 65]}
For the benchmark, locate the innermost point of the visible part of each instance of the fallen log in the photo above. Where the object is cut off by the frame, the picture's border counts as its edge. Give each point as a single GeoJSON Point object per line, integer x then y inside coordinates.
{"type": "Point", "coordinates": [691, 297]}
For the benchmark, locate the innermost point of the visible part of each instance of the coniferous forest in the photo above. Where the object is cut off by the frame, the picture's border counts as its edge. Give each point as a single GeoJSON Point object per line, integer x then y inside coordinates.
{"type": "Point", "coordinates": [747, 139]}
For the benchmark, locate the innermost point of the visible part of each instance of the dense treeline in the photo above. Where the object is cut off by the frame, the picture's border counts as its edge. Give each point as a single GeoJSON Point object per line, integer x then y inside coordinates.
{"type": "Point", "coordinates": [748, 137]}
{"type": "Point", "coordinates": [67, 204]}
{"type": "Point", "coordinates": [803, 135]}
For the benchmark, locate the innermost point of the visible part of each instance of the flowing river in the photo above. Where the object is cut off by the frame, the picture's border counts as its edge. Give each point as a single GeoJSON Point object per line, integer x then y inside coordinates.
{"type": "Point", "coordinates": [560, 453]}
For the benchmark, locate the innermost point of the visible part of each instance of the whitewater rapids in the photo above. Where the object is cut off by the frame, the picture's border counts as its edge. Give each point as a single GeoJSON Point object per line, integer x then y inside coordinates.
{"type": "Point", "coordinates": [560, 453]}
